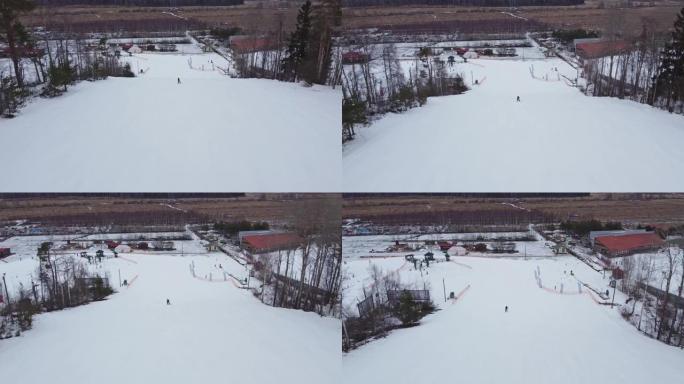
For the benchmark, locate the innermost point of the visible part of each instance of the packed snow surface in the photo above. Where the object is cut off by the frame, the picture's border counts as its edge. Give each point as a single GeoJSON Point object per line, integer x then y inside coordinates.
{"type": "Point", "coordinates": [209, 133]}
{"type": "Point", "coordinates": [212, 332]}
{"type": "Point", "coordinates": [546, 336]}
{"type": "Point", "coordinates": [554, 139]}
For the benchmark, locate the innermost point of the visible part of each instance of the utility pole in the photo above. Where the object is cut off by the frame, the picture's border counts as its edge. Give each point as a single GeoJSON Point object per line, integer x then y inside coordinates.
{"type": "Point", "coordinates": [444, 287]}
{"type": "Point", "coordinates": [119, 277]}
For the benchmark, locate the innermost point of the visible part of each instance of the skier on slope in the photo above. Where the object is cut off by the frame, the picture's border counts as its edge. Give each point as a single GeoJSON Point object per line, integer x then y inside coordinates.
{"type": "Point", "coordinates": [179, 80]}
{"type": "Point", "coordinates": [518, 99]}
{"type": "Point", "coordinates": [506, 308]}
{"type": "Point", "coordinates": [168, 302]}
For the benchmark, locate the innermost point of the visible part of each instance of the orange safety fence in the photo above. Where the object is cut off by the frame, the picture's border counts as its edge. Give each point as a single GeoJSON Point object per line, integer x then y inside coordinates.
{"type": "Point", "coordinates": [461, 264]}
{"type": "Point", "coordinates": [132, 281]}
{"type": "Point", "coordinates": [371, 286]}
{"type": "Point", "coordinates": [594, 298]}
{"type": "Point", "coordinates": [236, 283]}
{"type": "Point", "coordinates": [212, 280]}
{"type": "Point", "coordinates": [380, 257]}
{"type": "Point", "coordinates": [127, 259]}
{"type": "Point", "coordinates": [460, 294]}
{"type": "Point", "coordinates": [229, 278]}
{"type": "Point", "coordinates": [584, 291]}
{"type": "Point", "coordinates": [560, 293]}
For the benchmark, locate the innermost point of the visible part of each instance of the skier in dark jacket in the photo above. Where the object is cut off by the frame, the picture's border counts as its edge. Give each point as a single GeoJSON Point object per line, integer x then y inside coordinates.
{"type": "Point", "coordinates": [506, 308]}
{"type": "Point", "coordinates": [518, 99]}
{"type": "Point", "coordinates": [179, 80]}
{"type": "Point", "coordinates": [168, 302]}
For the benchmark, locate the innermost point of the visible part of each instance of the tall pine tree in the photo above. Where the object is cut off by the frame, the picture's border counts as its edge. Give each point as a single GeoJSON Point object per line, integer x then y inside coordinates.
{"type": "Point", "coordinates": [326, 17]}
{"type": "Point", "coordinates": [353, 112]}
{"type": "Point", "coordinates": [670, 82]}
{"type": "Point", "coordinates": [298, 45]}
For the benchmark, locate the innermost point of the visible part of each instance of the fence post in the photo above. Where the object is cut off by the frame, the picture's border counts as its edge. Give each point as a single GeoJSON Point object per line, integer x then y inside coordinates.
{"type": "Point", "coordinates": [4, 282]}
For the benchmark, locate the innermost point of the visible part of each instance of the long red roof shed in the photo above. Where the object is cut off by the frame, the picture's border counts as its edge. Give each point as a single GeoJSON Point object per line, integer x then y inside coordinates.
{"type": "Point", "coordinates": [596, 49]}
{"type": "Point", "coordinates": [271, 241]}
{"type": "Point", "coordinates": [627, 243]}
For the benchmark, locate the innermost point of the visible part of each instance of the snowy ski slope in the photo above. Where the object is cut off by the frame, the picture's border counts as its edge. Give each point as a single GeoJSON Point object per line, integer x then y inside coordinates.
{"type": "Point", "coordinates": [555, 139]}
{"type": "Point", "coordinates": [209, 133]}
{"type": "Point", "coordinates": [213, 332]}
{"type": "Point", "coordinates": [546, 337]}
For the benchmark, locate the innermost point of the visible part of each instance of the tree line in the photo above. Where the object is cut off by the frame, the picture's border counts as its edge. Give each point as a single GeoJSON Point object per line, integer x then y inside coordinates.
{"type": "Point", "coordinates": [380, 311]}
{"type": "Point", "coordinates": [582, 228]}
{"type": "Point", "coordinates": [648, 68]}
{"type": "Point", "coordinates": [60, 282]}
{"type": "Point", "coordinates": [134, 27]}
{"type": "Point", "coordinates": [304, 54]}
{"type": "Point", "coordinates": [655, 287]}
{"type": "Point", "coordinates": [232, 228]}
{"type": "Point", "coordinates": [307, 276]}
{"type": "Point", "coordinates": [368, 92]}
{"type": "Point", "coordinates": [45, 67]}
{"type": "Point", "coordinates": [455, 217]}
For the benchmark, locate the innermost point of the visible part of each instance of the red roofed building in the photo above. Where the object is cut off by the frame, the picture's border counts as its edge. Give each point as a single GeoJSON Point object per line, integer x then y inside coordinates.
{"type": "Point", "coordinates": [270, 242]}
{"type": "Point", "coordinates": [4, 252]}
{"type": "Point", "coordinates": [444, 245]}
{"type": "Point", "coordinates": [601, 48]}
{"type": "Point", "coordinates": [248, 44]}
{"type": "Point", "coordinates": [614, 246]}
{"type": "Point", "coordinates": [353, 57]}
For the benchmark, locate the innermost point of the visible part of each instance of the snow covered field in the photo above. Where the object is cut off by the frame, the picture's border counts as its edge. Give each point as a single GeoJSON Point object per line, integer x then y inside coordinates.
{"type": "Point", "coordinates": [210, 133]}
{"type": "Point", "coordinates": [212, 331]}
{"type": "Point", "coordinates": [556, 139]}
{"type": "Point", "coordinates": [546, 336]}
